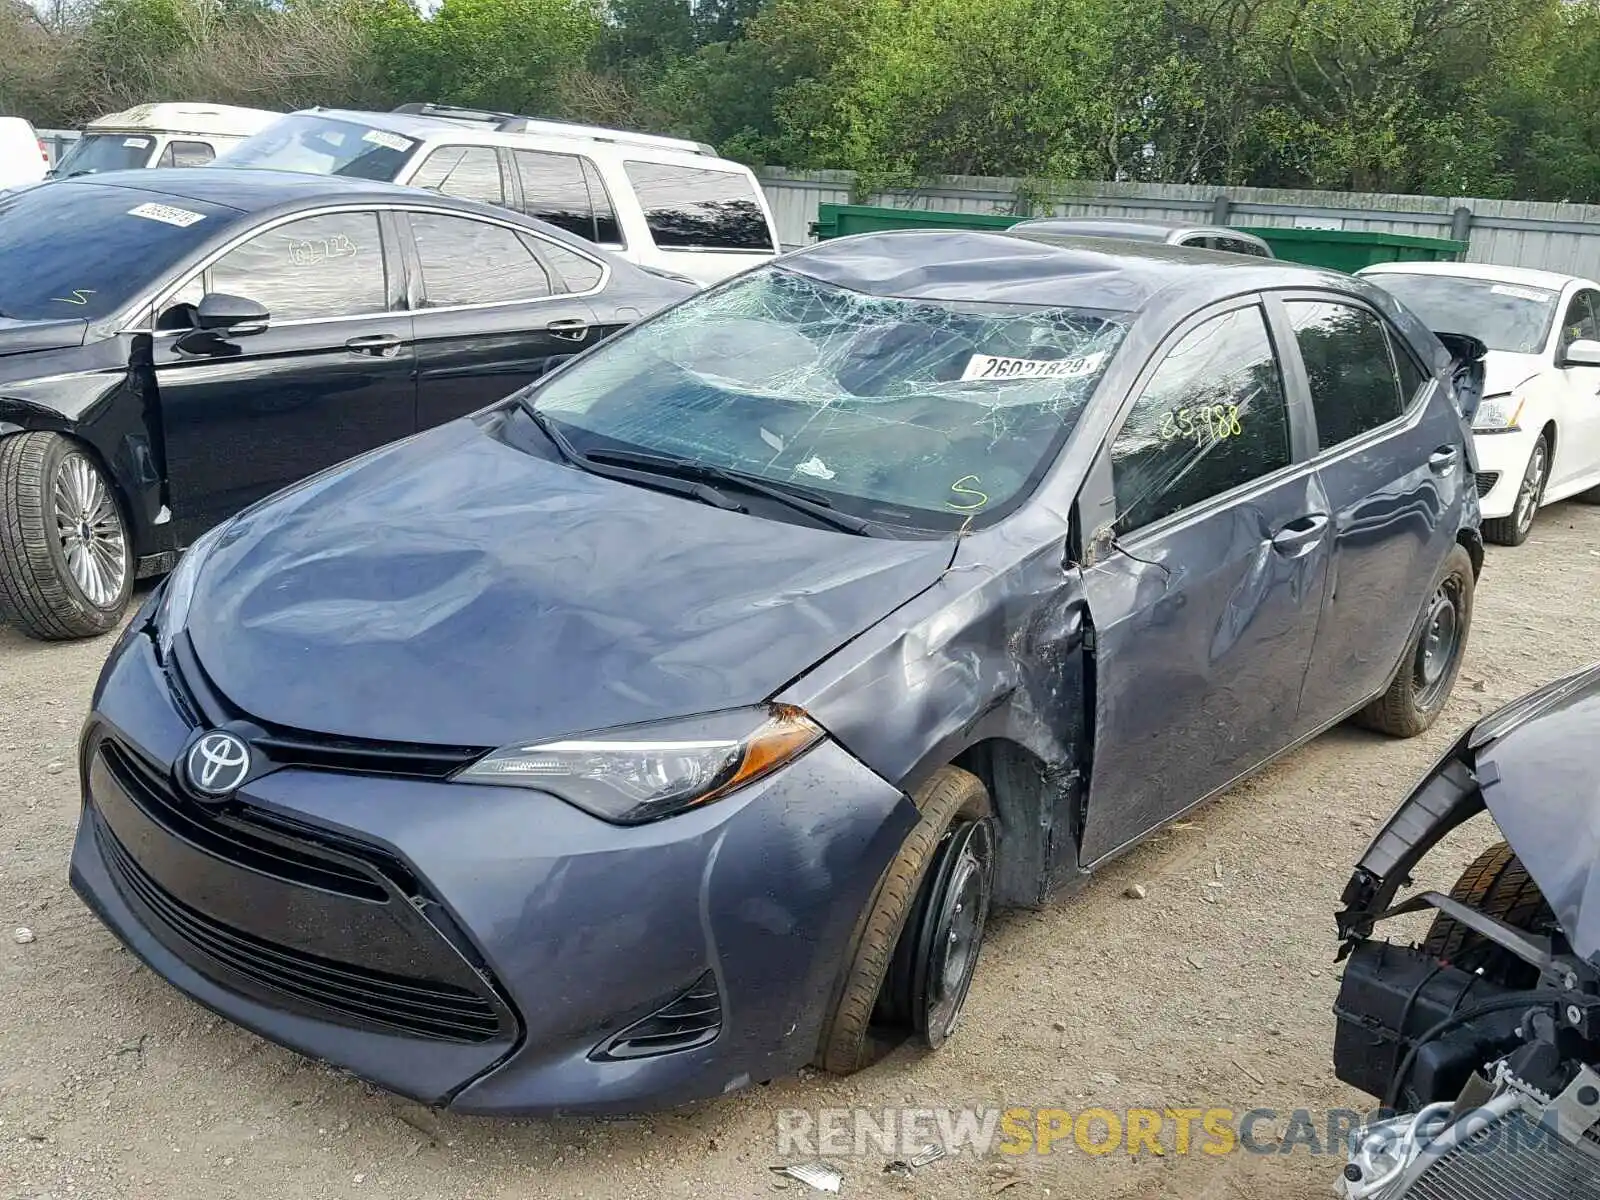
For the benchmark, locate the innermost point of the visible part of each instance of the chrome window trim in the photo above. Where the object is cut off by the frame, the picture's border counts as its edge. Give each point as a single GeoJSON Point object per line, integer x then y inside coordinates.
{"type": "Point", "coordinates": [151, 301]}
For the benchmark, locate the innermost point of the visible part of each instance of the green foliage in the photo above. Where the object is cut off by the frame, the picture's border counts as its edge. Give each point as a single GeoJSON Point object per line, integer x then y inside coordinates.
{"type": "Point", "coordinates": [1455, 97]}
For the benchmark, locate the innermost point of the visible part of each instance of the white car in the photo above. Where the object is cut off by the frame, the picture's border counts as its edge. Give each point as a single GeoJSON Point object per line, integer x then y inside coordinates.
{"type": "Point", "coordinates": [160, 135]}
{"type": "Point", "coordinates": [1537, 431]}
{"type": "Point", "coordinates": [22, 157]}
{"type": "Point", "coordinates": [665, 204]}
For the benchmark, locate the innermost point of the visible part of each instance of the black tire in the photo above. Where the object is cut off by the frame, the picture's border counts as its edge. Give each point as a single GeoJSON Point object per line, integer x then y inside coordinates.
{"type": "Point", "coordinates": [38, 592]}
{"type": "Point", "coordinates": [848, 1041]}
{"type": "Point", "coordinates": [1496, 884]}
{"type": "Point", "coordinates": [1513, 530]}
{"type": "Point", "coordinates": [1412, 703]}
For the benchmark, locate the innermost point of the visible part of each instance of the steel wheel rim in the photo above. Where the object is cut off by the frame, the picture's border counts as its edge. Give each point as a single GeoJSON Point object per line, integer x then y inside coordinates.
{"type": "Point", "coordinates": [1439, 645]}
{"type": "Point", "coordinates": [1532, 485]}
{"type": "Point", "coordinates": [90, 531]}
{"type": "Point", "coordinates": [955, 929]}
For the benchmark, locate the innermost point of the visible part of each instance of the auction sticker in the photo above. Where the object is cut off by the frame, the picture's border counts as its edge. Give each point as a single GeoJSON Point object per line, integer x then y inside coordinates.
{"type": "Point", "coordinates": [988, 366]}
{"type": "Point", "coordinates": [181, 217]}
{"type": "Point", "coordinates": [389, 141]}
{"type": "Point", "coordinates": [1521, 293]}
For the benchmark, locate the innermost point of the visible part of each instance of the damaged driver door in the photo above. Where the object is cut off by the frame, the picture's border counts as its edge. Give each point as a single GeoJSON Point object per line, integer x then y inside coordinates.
{"type": "Point", "coordinates": [1209, 537]}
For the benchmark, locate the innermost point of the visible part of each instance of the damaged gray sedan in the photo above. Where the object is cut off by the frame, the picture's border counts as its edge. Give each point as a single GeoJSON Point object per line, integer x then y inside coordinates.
{"type": "Point", "coordinates": [1483, 1041]}
{"type": "Point", "coordinates": [694, 705]}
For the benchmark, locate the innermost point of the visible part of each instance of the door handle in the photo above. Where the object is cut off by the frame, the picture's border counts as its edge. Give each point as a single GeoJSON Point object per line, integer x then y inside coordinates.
{"type": "Point", "coordinates": [1300, 532]}
{"type": "Point", "coordinates": [1443, 460]}
{"type": "Point", "coordinates": [382, 345]}
{"type": "Point", "coordinates": [572, 329]}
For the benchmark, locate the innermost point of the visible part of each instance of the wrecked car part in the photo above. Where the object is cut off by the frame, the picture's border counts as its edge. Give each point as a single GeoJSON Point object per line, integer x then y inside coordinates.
{"type": "Point", "coordinates": [818, 1175]}
{"type": "Point", "coordinates": [1486, 1037]}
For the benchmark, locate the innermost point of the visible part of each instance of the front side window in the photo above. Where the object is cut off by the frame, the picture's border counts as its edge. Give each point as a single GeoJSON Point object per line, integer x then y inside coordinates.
{"type": "Point", "coordinates": [1212, 417]}
{"type": "Point", "coordinates": [1349, 368]}
{"type": "Point", "coordinates": [470, 172]}
{"type": "Point", "coordinates": [913, 413]}
{"type": "Point", "coordinates": [1581, 320]}
{"type": "Point", "coordinates": [693, 208]}
{"type": "Point", "coordinates": [325, 266]}
{"type": "Point", "coordinates": [185, 154]}
{"type": "Point", "coordinates": [474, 262]}
{"type": "Point", "coordinates": [319, 145]}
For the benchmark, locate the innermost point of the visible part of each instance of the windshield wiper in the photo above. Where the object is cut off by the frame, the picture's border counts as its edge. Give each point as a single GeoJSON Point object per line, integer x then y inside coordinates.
{"type": "Point", "coordinates": [792, 495]}
{"type": "Point", "coordinates": [684, 486]}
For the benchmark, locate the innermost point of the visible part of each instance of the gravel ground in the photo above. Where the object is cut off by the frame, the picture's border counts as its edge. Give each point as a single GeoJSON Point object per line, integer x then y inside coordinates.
{"type": "Point", "coordinates": [1213, 991]}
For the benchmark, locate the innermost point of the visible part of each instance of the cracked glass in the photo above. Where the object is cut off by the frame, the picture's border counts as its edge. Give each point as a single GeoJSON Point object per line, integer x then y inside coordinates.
{"type": "Point", "coordinates": [918, 413]}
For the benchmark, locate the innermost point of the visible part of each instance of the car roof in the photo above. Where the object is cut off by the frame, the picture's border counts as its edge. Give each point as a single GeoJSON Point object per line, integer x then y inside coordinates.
{"type": "Point", "coordinates": [248, 190]}
{"type": "Point", "coordinates": [1132, 228]}
{"type": "Point", "coordinates": [1526, 276]}
{"type": "Point", "coordinates": [180, 117]}
{"type": "Point", "coordinates": [1025, 265]}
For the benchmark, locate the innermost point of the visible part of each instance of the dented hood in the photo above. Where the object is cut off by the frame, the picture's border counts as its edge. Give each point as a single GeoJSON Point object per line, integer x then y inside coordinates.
{"type": "Point", "coordinates": [1505, 371]}
{"type": "Point", "coordinates": [1535, 764]}
{"type": "Point", "coordinates": [454, 590]}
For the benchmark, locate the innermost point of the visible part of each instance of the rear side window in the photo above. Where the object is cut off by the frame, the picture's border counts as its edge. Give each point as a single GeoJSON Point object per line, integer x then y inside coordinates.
{"type": "Point", "coordinates": [578, 273]}
{"type": "Point", "coordinates": [1239, 246]}
{"type": "Point", "coordinates": [327, 266]}
{"type": "Point", "coordinates": [693, 208]}
{"type": "Point", "coordinates": [1211, 418]}
{"type": "Point", "coordinates": [186, 154]}
{"type": "Point", "coordinates": [475, 262]}
{"type": "Point", "coordinates": [470, 172]}
{"type": "Point", "coordinates": [566, 191]}
{"type": "Point", "coordinates": [1349, 368]}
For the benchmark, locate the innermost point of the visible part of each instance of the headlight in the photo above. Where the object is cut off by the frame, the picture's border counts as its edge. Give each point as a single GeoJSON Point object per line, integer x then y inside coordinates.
{"type": "Point", "coordinates": [1498, 414]}
{"type": "Point", "coordinates": [173, 612]}
{"type": "Point", "coordinates": [629, 776]}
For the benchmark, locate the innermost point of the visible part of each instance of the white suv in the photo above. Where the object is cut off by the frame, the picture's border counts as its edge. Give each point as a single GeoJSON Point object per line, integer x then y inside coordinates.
{"type": "Point", "coordinates": [664, 203]}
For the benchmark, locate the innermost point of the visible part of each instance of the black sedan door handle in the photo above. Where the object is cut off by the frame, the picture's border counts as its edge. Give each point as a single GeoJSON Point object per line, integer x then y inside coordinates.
{"type": "Point", "coordinates": [1300, 532]}
{"type": "Point", "coordinates": [382, 345]}
{"type": "Point", "coordinates": [1443, 460]}
{"type": "Point", "coordinates": [572, 329]}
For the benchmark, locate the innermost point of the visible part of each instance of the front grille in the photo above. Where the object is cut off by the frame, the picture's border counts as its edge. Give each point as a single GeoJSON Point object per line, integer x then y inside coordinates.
{"type": "Point", "coordinates": [233, 840]}
{"type": "Point", "coordinates": [693, 1019]}
{"type": "Point", "coordinates": [1486, 482]}
{"type": "Point", "coordinates": [204, 706]}
{"type": "Point", "coordinates": [422, 1008]}
{"type": "Point", "coordinates": [1512, 1157]}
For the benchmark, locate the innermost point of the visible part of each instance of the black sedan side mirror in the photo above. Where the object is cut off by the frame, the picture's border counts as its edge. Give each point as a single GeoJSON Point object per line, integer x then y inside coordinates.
{"type": "Point", "coordinates": [233, 315]}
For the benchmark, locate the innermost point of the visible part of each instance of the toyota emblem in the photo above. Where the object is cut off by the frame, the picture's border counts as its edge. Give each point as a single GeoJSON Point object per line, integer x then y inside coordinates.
{"type": "Point", "coordinates": [217, 764]}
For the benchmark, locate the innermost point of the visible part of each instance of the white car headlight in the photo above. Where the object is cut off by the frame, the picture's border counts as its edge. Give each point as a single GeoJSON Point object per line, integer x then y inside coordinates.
{"type": "Point", "coordinates": [644, 773]}
{"type": "Point", "coordinates": [172, 614]}
{"type": "Point", "coordinates": [1498, 414]}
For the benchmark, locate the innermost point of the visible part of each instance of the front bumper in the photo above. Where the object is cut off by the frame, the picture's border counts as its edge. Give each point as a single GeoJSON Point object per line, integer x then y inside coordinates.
{"type": "Point", "coordinates": [472, 946]}
{"type": "Point", "coordinates": [1502, 462]}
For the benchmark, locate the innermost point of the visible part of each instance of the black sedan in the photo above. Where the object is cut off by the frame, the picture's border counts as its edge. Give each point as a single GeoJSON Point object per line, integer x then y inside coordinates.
{"type": "Point", "coordinates": [175, 345]}
{"type": "Point", "coordinates": [678, 720]}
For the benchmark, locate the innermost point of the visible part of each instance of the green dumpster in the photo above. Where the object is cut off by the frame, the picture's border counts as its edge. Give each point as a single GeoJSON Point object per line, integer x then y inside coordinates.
{"type": "Point", "coordinates": [842, 220]}
{"type": "Point", "coordinates": [1349, 249]}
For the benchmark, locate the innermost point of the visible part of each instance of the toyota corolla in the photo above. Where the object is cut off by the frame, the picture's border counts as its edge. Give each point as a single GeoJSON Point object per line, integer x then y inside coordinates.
{"type": "Point", "coordinates": [680, 720]}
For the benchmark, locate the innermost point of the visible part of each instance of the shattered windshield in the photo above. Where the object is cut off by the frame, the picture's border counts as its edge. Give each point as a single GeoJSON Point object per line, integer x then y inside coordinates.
{"type": "Point", "coordinates": [322, 146]}
{"type": "Point", "coordinates": [916, 413]}
{"type": "Point", "coordinates": [1504, 316]}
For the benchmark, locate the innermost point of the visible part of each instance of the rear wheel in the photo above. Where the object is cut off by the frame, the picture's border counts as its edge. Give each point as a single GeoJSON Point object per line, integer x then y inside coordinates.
{"type": "Point", "coordinates": [916, 945]}
{"type": "Point", "coordinates": [1513, 530]}
{"type": "Point", "coordinates": [1423, 684]}
{"type": "Point", "coordinates": [66, 563]}
{"type": "Point", "coordinates": [1496, 884]}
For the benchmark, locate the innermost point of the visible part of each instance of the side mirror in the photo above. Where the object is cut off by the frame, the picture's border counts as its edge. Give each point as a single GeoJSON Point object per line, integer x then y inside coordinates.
{"type": "Point", "coordinates": [233, 315]}
{"type": "Point", "coordinates": [1585, 352]}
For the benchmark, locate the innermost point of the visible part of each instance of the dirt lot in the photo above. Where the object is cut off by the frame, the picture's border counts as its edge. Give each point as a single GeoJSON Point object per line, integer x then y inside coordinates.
{"type": "Point", "coordinates": [113, 1085]}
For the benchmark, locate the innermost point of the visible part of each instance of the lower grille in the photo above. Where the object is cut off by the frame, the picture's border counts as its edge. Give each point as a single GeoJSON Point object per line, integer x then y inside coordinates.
{"type": "Point", "coordinates": [355, 994]}
{"type": "Point", "coordinates": [1516, 1156]}
{"type": "Point", "coordinates": [1486, 482]}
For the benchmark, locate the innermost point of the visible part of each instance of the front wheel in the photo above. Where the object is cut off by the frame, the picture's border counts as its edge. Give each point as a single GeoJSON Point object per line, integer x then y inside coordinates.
{"type": "Point", "coordinates": [1513, 530]}
{"type": "Point", "coordinates": [915, 946]}
{"type": "Point", "coordinates": [1422, 685]}
{"type": "Point", "coordinates": [66, 563]}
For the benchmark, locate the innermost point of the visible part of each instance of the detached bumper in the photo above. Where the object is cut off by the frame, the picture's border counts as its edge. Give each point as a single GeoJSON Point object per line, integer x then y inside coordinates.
{"type": "Point", "coordinates": [478, 946]}
{"type": "Point", "coordinates": [1502, 462]}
